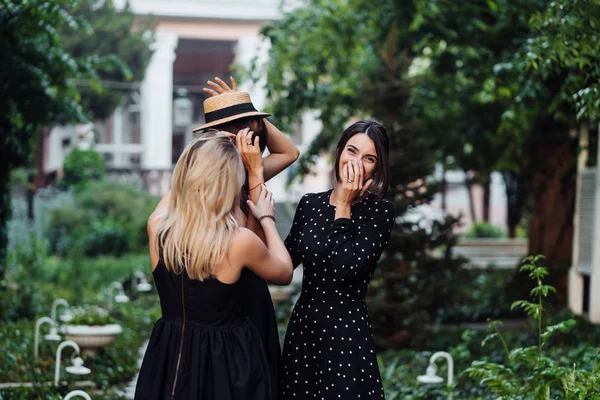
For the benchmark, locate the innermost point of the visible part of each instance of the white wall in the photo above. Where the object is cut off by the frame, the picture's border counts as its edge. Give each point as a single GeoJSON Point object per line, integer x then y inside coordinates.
{"type": "Point", "coordinates": [217, 9]}
{"type": "Point", "coordinates": [56, 151]}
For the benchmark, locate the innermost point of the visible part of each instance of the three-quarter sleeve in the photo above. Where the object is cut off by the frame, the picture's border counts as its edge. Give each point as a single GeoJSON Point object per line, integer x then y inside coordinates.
{"type": "Point", "coordinates": [356, 248]}
{"type": "Point", "coordinates": [292, 241]}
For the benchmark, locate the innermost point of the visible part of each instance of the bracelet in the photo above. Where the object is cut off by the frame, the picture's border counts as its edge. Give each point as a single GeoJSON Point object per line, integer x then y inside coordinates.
{"type": "Point", "coordinates": [267, 216]}
{"type": "Point", "coordinates": [262, 183]}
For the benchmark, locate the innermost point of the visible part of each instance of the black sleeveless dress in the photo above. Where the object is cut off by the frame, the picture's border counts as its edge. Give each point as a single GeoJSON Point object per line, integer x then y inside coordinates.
{"type": "Point", "coordinates": [204, 346]}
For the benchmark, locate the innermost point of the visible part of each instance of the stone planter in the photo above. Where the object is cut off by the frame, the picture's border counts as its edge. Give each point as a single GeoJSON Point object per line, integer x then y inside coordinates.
{"type": "Point", "coordinates": [91, 338]}
{"type": "Point", "coordinates": [498, 253]}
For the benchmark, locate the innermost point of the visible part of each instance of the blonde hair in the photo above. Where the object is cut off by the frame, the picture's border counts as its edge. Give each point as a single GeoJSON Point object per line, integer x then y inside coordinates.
{"type": "Point", "coordinates": [196, 232]}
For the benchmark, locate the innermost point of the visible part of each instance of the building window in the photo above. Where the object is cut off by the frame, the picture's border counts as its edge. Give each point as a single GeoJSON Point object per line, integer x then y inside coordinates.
{"type": "Point", "coordinates": [119, 139]}
{"type": "Point", "coordinates": [132, 122]}
{"type": "Point", "coordinates": [103, 132]}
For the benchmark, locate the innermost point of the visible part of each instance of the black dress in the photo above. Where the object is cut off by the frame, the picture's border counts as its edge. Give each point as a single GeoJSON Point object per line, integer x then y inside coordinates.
{"type": "Point", "coordinates": [260, 310]}
{"type": "Point", "coordinates": [204, 346]}
{"type": "Point", "coordinates": [328, 351]}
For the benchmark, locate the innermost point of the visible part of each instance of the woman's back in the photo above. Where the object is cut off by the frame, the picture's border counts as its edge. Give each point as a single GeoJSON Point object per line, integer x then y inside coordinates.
{"type": "Point", "coordinates": [204, 346]}
{"type": "Point", "coordinates": [210, 303]}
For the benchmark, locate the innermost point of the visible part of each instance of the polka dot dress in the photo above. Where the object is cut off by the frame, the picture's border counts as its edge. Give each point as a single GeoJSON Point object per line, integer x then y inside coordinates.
{"type": "Point", "coordinates": [329, 351]}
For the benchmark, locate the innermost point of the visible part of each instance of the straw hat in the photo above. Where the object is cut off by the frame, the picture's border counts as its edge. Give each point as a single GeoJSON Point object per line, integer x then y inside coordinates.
{"type": "Point", "coordinates": [227, 107]}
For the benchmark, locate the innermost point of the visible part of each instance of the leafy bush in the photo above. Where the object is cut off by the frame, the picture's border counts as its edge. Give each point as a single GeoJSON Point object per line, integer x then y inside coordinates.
{"type": "Point", "coordinates": [66, 226]}
{"type": "Point", "coordinates": [126, 205]}
{"type": "Point", "coordinates": [91, 315]}
{"type": "Point", "coordinates": [106, 237]}
{"type": "Point", "coordinates": [410, 283]}
{"type": "Point", "coordinates": [556, 362]}
{"type": "Point", "coordinates": [530, 372]}
{"type": "Point", "coordinates": [38, 392]}
{"type": "Point", "coordinates": [104, 218]}
{"type": "Point", "coordinates": [99, 272]}
{"type": "Point", "coordinates": [30, 288]}
{"type": "Point", "coordinates": [80, 168]}
{"type": "Point", "coordinates": [25, 263]}
{"type": "Point", "coordinates": [484, 294]}
{"type": "Point", "coordinates": [115, 364]}
{"type": "Point", "coordinates": [484, 230]}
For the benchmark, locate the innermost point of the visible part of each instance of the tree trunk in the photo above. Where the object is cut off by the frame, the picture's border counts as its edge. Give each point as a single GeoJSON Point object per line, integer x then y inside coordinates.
{"type": "Point", "coordinates": [469, 185]}
{"type": "Point", "coordinates": [30, 197]}
{"type": "Point", "coordinates": [553, 186]}
{"type": "Point", "coordinates": [444, 187]}
{"type": "Point", "coordinates": [517, 194]}
{"type": "Point", "coordinates": [485, 183]}
{"type": "Point", "coordinates": [4, 213]}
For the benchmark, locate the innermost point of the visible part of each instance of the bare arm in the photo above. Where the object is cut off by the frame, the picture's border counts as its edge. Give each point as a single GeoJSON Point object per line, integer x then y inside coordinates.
{"type": "Point", "coordinates": [275, 265]}
{"type": "Point", "coordinates": [270, 262]}
{"type": "Point", "coordinates": [282, 152]}
{"type": "Point", "coordinates": [152, 227]}
{"type": "Point", "coordinates": [163, 204]}
{"type": "Point", "coordinates": [253, 162]}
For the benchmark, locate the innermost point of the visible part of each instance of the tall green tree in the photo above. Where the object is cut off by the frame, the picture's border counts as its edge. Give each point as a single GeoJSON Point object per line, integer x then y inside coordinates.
{"type": "Point", "coordinates": [39, 81]}
{"type": "Point", "coordinates": [466, 43]}
{"type": "Point", "coordinates": [116, 34]}
{"type": "Point", "coordinates": [485, 86]}
{"type": "Point", "coordinates": [36, 81]}
{"type": "Point", "coordinates": [559, 72]}
{"type": "Point", "coordinates": [553, 79]}
{"type": "Point", "coordinates": [509, 80]}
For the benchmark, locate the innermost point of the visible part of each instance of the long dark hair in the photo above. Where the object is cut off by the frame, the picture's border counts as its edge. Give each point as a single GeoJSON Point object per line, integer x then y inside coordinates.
{"type": "Point", "coordinates": [378, 134]}
{"type": "Point", "coordinates": [256, 124]}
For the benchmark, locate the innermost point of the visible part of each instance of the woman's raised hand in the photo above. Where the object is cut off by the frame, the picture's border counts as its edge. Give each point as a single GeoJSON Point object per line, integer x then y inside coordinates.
{"type": "Point", "coordinates": [249, 150]}
{"type": "Point", "coordinates": [220, 86]}
{"type": "Point", "coordinates": [265, 204]}
{"type": "Point", "coordinates": [353, 187]}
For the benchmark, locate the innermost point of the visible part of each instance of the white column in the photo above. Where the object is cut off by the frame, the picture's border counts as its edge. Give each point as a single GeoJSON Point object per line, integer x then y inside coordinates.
{"type": "Point", "coordinates": [117, 128]}
{"type": "Point", "coordinates": [576, 283]}
{"type": "Point", "coordinates": [594, 292]}
{"type": "Point", "coordinates": [157, 104]}
{"type": "Point", "coordinates": [247, 50]}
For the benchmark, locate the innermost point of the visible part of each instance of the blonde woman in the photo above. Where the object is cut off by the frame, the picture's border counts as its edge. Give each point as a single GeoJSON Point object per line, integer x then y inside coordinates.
{"type": "Point", "coordinates": [204, 346]}
{"type": "Point", "coordinates": [231, 111]}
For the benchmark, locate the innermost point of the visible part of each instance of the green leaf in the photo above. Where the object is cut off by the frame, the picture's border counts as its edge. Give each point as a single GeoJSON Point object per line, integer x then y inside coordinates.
{"type": "Point", "coordinates": [563, 327]}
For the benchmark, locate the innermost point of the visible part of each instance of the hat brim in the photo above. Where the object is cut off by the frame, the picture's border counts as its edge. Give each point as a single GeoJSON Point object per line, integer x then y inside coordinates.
{"type": "Point", "coordinates": [232, 118]}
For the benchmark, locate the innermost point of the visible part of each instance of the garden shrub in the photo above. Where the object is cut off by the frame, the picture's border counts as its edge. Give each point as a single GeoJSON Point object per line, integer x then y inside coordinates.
{"type": "Point", "coordinates": [484, 230]}
{"type": "Point", "coordinates": [105, 218]}
{"type": "Point", "coordinates": [106, 237]}
{"type": "Point", "coordinates": [536, 372]}
{"type": "Point", "coordinates": [67, 225]}
{"type": "Point", "coordinates": [113, 365]}
{"type": "Point", "coordinates": [24, 269]}
{"type": "Point", "coordinates": [81, 167]}
{"type": "Point", "coordinates": [483, 294]}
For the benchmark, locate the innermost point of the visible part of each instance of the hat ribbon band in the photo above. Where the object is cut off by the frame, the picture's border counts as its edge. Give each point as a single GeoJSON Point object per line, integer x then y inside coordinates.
{"type": "Point", "coordinates": [228, 112]}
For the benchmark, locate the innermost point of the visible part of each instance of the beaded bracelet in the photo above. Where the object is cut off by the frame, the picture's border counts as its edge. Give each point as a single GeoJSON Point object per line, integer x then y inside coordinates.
{"type": "Point", "coordinates": [266, 216]}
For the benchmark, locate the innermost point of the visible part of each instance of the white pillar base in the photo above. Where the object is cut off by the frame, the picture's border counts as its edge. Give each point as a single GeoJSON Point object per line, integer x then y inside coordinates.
{"type": "Point", "coordinates": [575, 295]}
{"type": "Point", "coordinates": [594, 313]}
